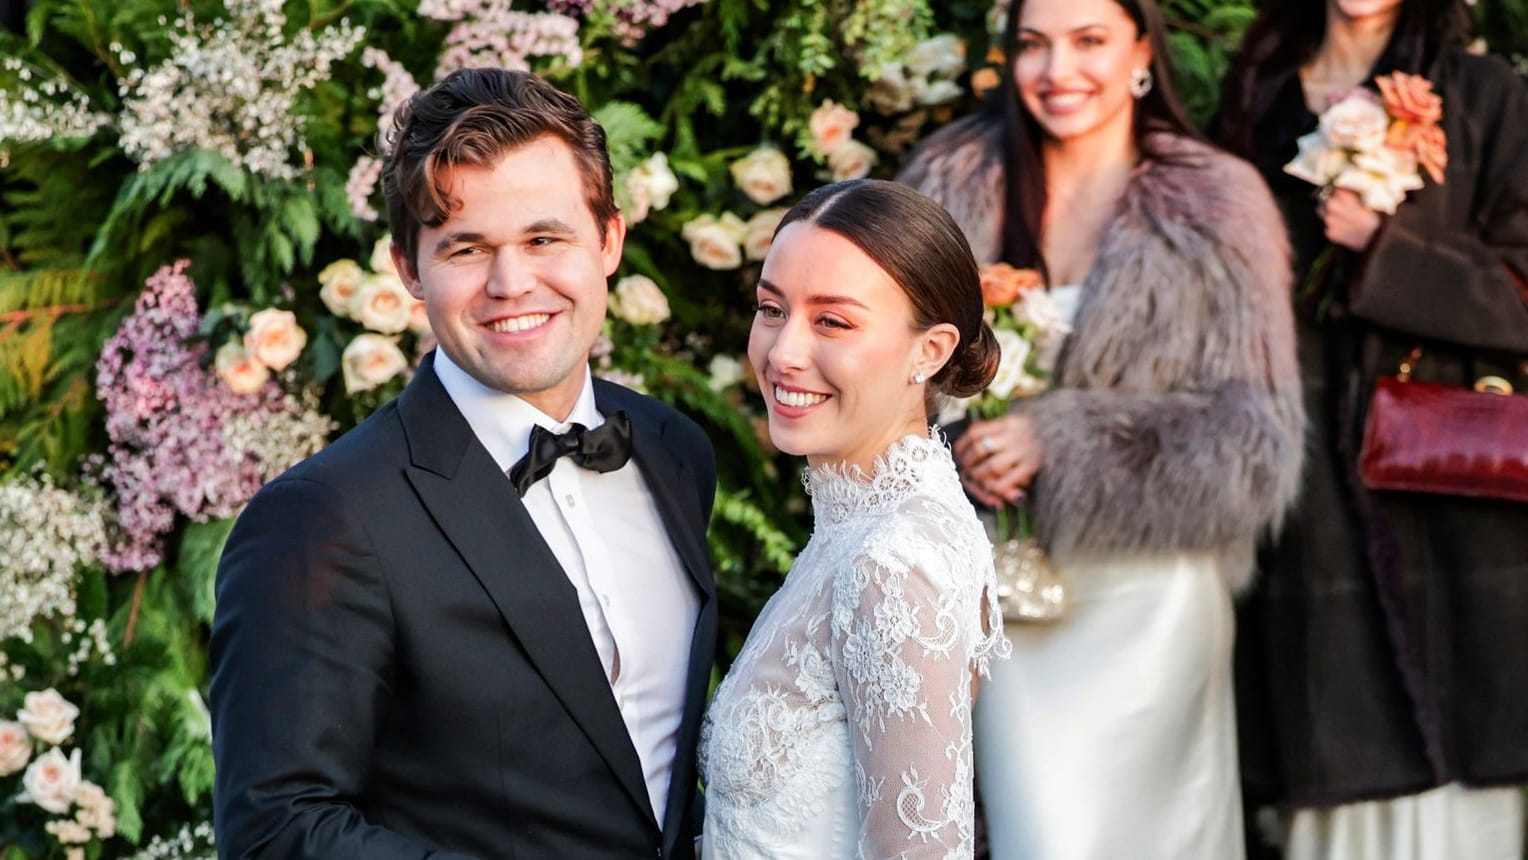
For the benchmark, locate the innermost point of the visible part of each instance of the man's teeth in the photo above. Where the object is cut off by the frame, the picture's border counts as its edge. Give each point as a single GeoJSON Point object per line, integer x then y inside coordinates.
{"type": "Point", "coordinates": [514, 324]}
{"type": "Point", "coordinates": [797, 398]}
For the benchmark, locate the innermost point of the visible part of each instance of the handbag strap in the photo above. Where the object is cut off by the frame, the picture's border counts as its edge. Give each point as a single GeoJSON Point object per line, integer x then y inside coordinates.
{"type": "Point", "coordinates": [1485, 384]}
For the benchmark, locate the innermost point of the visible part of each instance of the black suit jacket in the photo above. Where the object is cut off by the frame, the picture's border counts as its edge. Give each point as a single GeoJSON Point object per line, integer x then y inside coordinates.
{"type": "Point", "coordinates": [400, 668]}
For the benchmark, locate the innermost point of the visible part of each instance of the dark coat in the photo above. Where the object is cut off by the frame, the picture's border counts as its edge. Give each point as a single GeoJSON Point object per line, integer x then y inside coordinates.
{"type": "Point", "coordinates": [400, 668]}
{"type": "Point", "coordinates": [1385, 648]}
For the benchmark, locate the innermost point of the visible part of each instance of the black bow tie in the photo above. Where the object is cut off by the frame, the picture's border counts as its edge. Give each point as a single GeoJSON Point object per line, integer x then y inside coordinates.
{"type": "Point", "coordinates": [603, 449]}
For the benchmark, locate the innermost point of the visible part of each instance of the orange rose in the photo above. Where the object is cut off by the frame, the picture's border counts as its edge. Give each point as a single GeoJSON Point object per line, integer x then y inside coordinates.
{"type": "Point", "coordinates": [1002, 284]}
{"type": "Point", "coordinates": [1410, 98]}
{"type": "Point", "coordinates": [1432, 152]}
{"type": "Point", "coordinates": [984, 79]}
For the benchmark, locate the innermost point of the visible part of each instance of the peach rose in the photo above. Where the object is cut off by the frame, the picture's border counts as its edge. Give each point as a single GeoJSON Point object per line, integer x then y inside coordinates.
{"type": "Point", "coordinates": [984, 79]}
{"type": "Point", "coordinates": [1002, 284]}
{"type": "Point", "coordinates": [274, 338]}
{"type": "Point", "coordinates": [1410, 98]}
{"type": "Point", "coordinates": [852, 160]}
{"type": "Point", "coordinates": [715, 242]}
{"type": "Point", "coordinates": [760, 233]}
{"type": "Point", "coordinates": [339, 280]}
{"type": "Point", "coordinates": [369, 361]}
{"type": "Point", "coordinates": [382, 304]}
{"type": "Point", "coordinates": [51, 780]}
{"type": "Point", "coordinates": [831, 125]}
{"type": "Point", "coordinates": [419, 317]}
{"type": "Point", "coordinates": [240, 372]}
{"type": "Point", "coordinates": [1431, 147]}
{"type": "Point", "coordinates": [649, 186]}
{"type": "Point", "coordinates": [48, 716]}
{"type": "Point", "coordinates": [764, 175]}
{"type": "Point", "coordinates": [15, 747]}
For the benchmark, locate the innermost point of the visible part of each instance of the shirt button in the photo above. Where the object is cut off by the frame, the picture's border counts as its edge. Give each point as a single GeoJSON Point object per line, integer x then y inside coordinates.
{"type": "Point", "coordinates": [569, 499]}
{"type": "Point", "coordinates": [605, 599]}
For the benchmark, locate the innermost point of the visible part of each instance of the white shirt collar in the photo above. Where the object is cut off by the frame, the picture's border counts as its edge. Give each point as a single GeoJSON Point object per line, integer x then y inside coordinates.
{"type": "Point", "coordinates": [503, 422]}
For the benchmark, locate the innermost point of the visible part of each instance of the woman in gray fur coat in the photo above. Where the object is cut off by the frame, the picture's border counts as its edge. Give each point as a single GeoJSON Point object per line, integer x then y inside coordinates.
{"type": "Point", "coordinates": [1170, 442]}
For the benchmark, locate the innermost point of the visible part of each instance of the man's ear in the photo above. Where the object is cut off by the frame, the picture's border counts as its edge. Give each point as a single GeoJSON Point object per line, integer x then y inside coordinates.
{"type": "Point", "coordinates": [615, 241]}
{"type": "Point", "coordinates": [406, 272]}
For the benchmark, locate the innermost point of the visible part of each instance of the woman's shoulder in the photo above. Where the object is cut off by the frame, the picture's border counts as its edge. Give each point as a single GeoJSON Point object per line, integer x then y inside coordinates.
{"type": "Point", "coordinates": [1193, 183]}
{"type": "Point", "coordinates": [955, 150]}
{"type": "Point", "coordinates": [1477, 75]}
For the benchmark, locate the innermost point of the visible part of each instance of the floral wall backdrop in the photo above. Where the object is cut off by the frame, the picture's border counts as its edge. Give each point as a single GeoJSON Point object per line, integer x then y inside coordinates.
{"type": "Point", "coordinates": [195, 293]}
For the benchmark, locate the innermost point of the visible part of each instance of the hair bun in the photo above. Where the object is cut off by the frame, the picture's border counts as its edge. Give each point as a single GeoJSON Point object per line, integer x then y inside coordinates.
{"type": "Point", "coordinates": [972, 366]}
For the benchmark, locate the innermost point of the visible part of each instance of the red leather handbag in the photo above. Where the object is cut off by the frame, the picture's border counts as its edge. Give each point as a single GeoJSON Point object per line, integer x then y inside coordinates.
{"type": "Point", "coordinates": [1423, 437]}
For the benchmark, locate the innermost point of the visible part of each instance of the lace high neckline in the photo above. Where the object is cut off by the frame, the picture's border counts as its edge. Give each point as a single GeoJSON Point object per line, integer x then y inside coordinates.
{"type": "Point", "coordinates": [913, 463]}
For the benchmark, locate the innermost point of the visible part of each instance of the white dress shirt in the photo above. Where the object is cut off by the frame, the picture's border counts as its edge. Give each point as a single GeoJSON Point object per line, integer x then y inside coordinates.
{"type": "Point", "coordinates": [606, 532]}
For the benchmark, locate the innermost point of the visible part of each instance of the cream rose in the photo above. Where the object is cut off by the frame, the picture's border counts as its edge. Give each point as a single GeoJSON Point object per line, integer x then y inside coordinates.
{"type": "Point", "coordinates": [639, 301]}
{"type": "Point", "coordinates": [15, 747]}
{"type": "Point", "coordinates": [715, 242]}
{"type": "Point", "coordinates": [942, 56]}
{"type": "Point", "coordinates": [238, 370]}
{"type": "Point", "coordinates": [764, 175]}
{"type": "Point", "coordinates": [831, 124]}
{"type": "Point", "coordinates": [1381, 178]}
{"type": "Point", "coordinates": [1318, 162]}
{"type": "Point", "coordinates": [1011, 376]}
{"type": "Point", "coordinates": [853, 160]}
{"type": "Point", "coordinates": [369, 361]}
{"type": "Point", "coordinates": [274, 338]}
{"type": "Point", "coordinates": [51, 780]}
{"type": "Point", "coordinates": [938, 92]}
{"type": "Point", "coordinates": [725, 372]}
{"type": "Point", "coordinates": [893, 92]}
{"type": "Point", "coordinates": [759, 233]}
{"type": "Point", "coordinates": [382, 304]}
{"type": "Point", "coordinates": [48, 716]}
{"type": "Point", "coordinates": [339, 280]}
{"type": "Point", "coordinates": [419, 316]}
{"type": "Point", "coordinates": [382, 257]}
{"type": "Point", "coordinates": [96, 810]}
{"type": "Point", "coordinates": [1357, 122]}
{"type": "Point", "coordinates": [649, 186]}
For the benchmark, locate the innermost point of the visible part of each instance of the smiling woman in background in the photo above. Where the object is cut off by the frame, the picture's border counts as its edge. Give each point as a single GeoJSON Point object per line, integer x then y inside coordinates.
{"type": "Point", "coordinates": [1170, 440]}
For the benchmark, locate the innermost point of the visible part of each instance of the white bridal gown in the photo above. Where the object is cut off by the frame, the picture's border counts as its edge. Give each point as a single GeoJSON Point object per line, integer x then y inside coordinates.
{"type": "Point", "coordinates": [1112, 733]}
{"type": "Point", "coordinates": [843, 729]}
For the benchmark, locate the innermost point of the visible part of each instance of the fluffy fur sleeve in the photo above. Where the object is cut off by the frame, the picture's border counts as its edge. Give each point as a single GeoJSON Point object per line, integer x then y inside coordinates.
{"type": "Point", "coordinates": [1177, 420]}
{"type": "Point", "coordinates": [960, 167]}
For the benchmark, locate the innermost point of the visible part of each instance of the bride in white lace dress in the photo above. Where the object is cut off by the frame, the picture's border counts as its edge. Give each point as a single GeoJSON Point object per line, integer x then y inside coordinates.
{"type": "Point", "coordinates": [843, 729]}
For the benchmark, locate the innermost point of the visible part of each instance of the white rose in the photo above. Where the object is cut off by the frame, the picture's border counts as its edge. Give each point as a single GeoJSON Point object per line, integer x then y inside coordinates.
{"type": "Point", "coordinates": [725, 372]}
{"type": "Point", "coordinates": [638, 300]}
{"type": "Point", "coordinates": [382, 257]}
{"type": "Point", "coordinates": [48, 716]}
{"type": "Point", "coordinates": [274, 338]}
{"type": "Point", "coordinates": [943, 56]}
{"type": "Point", "coordinates": [340, 279]}
{"type": "Point", "coordinates": [1011, 375]}
{"type": "Point", "coordinates": [938, 92]}
{"type": "Point", "coordinates": [1037, 308]}
{"type": "Point", "coordinates": [1318, 162]}
{"type": "Point", "coordinates": [1357, 122]}
{"type": "Point", "coordinates": [853, 160]}
{"type": "Point", "coordinates": [51, 780]}
{"type": "Point", "coordinates": [714, 242]}
{"type": "Point", "coordinates": [650, 185]}
{"type": "Point", "coordinates": [760, 233]}
{"type": "Point", "coordinates": [893, 92]}
{"type": "Point", "coordinates": [1382, 178]}
{"type": "Point", "coordinates": [238, 370]}
{"type": "Point", "coordinates": [764, 175]}
{"type": "Point", "coordinates": [369, 361]}
{"type": "Point", "coordinates": [15, 747]}
{"type": "Point", "coordinates": [382, 304]}
{"type": "Point", "coordinates": [831, 124]}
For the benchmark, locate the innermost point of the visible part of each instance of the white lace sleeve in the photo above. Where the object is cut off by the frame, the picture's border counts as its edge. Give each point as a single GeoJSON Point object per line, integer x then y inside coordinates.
{"type": "Point", "coordinates": [907, 635]}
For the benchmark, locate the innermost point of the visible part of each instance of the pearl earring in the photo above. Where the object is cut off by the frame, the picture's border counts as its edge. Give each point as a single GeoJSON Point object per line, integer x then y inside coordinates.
{"type": "Point", "coordinates": [918, 378]}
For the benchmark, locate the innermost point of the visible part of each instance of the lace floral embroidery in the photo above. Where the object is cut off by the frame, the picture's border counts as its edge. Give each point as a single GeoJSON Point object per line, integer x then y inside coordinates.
{"type": "Point", "coordinates": [857, 675]}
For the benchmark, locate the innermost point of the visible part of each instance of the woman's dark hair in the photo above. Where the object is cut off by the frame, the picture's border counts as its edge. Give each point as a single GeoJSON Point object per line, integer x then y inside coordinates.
{"type": "Point", "coordinates": [1024, 173]}
{"type": "Point", "coordinates": [1286, 35]}
{"type": "Point", "coordinates": [918, 244]}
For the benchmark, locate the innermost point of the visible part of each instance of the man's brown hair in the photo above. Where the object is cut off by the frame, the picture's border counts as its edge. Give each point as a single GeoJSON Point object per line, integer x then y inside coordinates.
{"type": "Point", "coordinates": [473, 117]}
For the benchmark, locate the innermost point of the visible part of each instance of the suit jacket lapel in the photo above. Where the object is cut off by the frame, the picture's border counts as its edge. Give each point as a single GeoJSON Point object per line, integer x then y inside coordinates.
{"type": "Point", "coordinates": [478, 510]}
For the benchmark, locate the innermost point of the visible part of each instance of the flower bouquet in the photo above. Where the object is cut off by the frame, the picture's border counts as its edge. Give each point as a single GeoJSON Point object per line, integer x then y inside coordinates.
{"type": "Point", "coordinates": [1376, 146]}
{"type": "Point", "coordinates": [1029, 327]}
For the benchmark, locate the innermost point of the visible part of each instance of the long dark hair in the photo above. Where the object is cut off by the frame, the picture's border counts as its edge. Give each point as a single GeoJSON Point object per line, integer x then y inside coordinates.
{"type": "Point", "coordinates": [916, 242]}
{"type": "Point", "coordinates": [1286, 35]}
{"type": "Point", "coordinates": [1024, 173]}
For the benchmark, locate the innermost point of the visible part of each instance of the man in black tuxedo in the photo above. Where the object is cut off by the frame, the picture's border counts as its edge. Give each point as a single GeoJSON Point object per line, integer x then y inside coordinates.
{"type": "Point", "coordinates": [472, 627]}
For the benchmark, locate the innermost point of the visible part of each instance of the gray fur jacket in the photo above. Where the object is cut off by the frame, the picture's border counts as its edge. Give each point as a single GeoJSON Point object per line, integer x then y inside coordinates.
{"type": "Point", "coordinates": [1176, 419]}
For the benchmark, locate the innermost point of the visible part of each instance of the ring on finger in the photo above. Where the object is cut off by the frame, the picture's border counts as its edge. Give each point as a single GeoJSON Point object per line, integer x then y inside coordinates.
{"type": "Point", "coordinates": [986, 443]}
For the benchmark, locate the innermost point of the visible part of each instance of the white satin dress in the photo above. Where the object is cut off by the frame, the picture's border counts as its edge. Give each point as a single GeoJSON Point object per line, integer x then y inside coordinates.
{"type": "Point", "coordinates": [843, 730]}
{"type": "Point", "coordinates": [1112, 733]}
